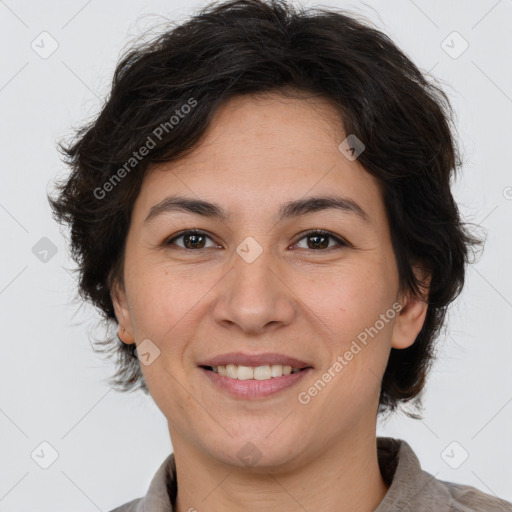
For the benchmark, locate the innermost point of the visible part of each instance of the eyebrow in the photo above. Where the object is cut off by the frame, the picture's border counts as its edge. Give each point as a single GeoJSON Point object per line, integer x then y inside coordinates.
{"type": "Point", "coordinates": [288, 210]}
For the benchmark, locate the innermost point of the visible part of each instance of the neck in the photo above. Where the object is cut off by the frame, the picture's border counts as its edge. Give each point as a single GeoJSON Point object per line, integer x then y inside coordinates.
{"type": "Point", "coordinates": [345, 476]}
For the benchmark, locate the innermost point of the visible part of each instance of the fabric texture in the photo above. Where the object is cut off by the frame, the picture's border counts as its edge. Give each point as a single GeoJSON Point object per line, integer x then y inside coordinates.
{"type": "Point", "coordinates": [411, 489]}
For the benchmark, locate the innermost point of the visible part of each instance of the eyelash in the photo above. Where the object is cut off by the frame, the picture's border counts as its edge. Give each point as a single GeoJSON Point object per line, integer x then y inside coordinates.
{"type": "Point", "coordinates": [340, 241]}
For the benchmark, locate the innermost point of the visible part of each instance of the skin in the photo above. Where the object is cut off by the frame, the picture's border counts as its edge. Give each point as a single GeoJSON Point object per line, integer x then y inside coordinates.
{"type": "Point", "coordinates": [295, 299]}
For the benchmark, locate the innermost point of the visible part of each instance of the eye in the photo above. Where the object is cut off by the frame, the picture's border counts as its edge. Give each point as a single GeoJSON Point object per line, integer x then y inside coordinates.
{"type": "Point", "coordinates": [193, 239]}
{"type": "Point", "coordinates": [320, 239]}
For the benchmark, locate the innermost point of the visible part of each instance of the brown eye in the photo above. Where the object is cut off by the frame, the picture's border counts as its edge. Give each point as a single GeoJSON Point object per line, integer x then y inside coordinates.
{"type": "Point", "coordinates": [320, 240]}
{"type": "Point", "coordinates": [192, 239]}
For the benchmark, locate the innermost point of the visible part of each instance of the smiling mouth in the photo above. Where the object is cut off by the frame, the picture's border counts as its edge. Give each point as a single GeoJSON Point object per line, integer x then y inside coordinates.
{"type": "Point", "coordinates": [264, 372]}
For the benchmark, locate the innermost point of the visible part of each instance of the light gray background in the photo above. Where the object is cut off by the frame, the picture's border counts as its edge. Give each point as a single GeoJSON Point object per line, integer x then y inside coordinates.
{"type": "Point", "coordinates": [52, 385]}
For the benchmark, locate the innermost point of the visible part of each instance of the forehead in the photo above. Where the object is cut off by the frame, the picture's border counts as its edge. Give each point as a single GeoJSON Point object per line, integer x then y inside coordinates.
{"type": "Point", "coordinates": [288, 127]}
{"type": "Point", "coordinates": [261, 151]}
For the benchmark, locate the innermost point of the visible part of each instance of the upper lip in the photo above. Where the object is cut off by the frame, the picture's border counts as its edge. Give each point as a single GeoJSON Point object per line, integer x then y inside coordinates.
{"type": "Point", "coordinates": [241, 359]}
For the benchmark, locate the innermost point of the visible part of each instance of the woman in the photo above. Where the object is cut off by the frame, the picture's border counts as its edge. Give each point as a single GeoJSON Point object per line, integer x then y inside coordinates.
{"type": "Point", "coordinates": [263, 210]}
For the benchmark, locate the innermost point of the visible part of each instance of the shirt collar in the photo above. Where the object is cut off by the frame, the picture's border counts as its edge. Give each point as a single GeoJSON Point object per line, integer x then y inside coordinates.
{"type": "Point", "coordinates": [410, 486]}
{"type": "Point", "coordinates": [400, 468]}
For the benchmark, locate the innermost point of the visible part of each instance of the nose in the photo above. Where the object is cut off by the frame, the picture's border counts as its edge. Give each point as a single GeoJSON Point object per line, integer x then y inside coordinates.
{"type": "Point", "coordinates": [255, 296]}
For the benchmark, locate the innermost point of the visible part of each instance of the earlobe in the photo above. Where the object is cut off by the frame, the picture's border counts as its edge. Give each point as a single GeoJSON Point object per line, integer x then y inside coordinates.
{"type": "Point", "coordinates": [411, 317]}
{"type": "Point", "coordinates": [122, 312]}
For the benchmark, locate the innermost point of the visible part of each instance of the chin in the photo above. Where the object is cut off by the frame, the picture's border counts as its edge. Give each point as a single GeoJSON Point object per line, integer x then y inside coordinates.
{"type": "Point", "coordinates": [255, 452]}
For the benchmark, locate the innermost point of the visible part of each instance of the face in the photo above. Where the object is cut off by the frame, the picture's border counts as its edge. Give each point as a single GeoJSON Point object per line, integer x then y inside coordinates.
{"type": "Point", "coordinates": [262, 280]}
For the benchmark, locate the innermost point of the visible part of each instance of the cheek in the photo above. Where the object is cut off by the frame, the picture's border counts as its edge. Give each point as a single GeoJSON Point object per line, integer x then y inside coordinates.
{"type": "Point", "coordinates": [166, 305]}
{"type": "Point", "coordinates": [350, 301]}
{"type": "Point", "coordinates": [166, 302]}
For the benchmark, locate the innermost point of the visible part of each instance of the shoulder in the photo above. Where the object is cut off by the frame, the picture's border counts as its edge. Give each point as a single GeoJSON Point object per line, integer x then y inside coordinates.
{"type": "Point", "coordinates": [130, 506]}
{"type": "Point", "coordinates": [161, 493]}
{"type": "Point", "coordinates": [465, 498]}
{"type": "Point", "coordinates": [412, 488]}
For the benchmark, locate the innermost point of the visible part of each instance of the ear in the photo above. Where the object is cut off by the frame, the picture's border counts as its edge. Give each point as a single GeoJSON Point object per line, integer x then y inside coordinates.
{"type": "Point", "coordinates": [122, 311]}
{"type": "Point", "coordinates": [411, 317]}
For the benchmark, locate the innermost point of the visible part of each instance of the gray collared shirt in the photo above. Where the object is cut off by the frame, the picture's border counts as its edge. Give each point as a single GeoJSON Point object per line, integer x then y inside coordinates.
{"type": "Point", "coordinates": [411, 488]}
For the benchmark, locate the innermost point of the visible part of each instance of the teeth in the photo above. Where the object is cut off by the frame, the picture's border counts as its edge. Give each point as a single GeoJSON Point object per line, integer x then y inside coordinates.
{"type": "Point", "coordinates": [244, 373]}
{"type": "Point", "coordinates": [256, 373]}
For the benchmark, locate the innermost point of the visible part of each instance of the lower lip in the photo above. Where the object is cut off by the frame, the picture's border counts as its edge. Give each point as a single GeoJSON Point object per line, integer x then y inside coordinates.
{"type": "Point", "coordinates": [252, 388]}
